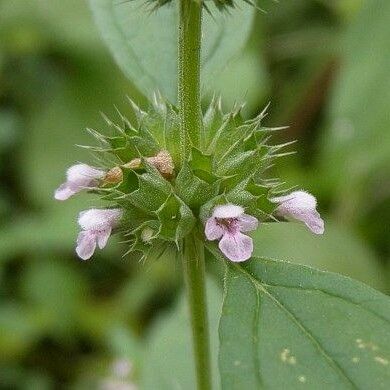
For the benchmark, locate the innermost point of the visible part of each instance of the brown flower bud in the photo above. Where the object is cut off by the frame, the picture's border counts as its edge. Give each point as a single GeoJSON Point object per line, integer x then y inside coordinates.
{"type": "Point", "coordinates": [114, 175]}
{"type": "Point", "coordinates": [133, 164]}
{"type": "Point", "coordinates": [163, 162]}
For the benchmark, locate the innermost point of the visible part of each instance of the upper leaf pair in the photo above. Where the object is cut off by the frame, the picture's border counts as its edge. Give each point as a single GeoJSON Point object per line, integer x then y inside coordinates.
{"type": "Point", "coordinates": [143, 43]}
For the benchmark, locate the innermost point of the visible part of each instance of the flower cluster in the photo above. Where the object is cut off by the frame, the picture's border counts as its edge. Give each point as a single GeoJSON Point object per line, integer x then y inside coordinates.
{"type": "Point", "coordinates": [220, 5]}
{"type": "Point", "coordinates": [160, 190]}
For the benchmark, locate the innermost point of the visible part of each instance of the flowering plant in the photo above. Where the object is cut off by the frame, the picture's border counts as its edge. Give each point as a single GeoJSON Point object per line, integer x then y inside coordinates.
{"type": "Point", "coordinates": [180, 178]}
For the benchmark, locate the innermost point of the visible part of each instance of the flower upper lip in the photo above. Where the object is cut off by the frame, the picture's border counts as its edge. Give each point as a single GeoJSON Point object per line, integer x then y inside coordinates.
{"type": "Point", "coordinates": [300, 205]}
{"type": "Point", "coordinates": [78, 178]}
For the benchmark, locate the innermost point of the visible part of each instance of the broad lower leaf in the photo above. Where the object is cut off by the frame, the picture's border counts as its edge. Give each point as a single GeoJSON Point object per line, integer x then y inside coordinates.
{"type": "Point", "coordinates": [290, 326]}
{"type": "Point", "coordinates": [144, 43]}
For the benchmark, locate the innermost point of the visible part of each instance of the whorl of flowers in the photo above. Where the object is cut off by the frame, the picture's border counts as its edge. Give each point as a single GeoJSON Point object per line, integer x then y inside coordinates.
{"type": "Point", "coordinates": [220, 5]}
{"type": "Point", "coordinates": [156, 187]}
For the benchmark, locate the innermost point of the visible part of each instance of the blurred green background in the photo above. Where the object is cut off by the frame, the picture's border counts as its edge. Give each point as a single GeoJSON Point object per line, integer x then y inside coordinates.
{"type": "Point", "coordinates": [325, 67]}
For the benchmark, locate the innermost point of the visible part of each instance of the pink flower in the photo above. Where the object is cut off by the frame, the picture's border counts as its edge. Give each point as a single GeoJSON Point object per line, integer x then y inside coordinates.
{"type": "Point", "coordinates": [226, 224]}
{"type": "Point", "coordinates": [300, 205]}
{"type": "Point", "coordinates": [96, 225]}
{"type": "Point", "coordinates": [78, 178]}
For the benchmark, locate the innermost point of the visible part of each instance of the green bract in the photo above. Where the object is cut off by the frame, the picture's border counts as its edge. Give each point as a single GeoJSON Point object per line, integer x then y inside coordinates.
{"type": "Point", "coordinates": [161, 209]}
{"type": "Point", "coordinates": [219, 4]}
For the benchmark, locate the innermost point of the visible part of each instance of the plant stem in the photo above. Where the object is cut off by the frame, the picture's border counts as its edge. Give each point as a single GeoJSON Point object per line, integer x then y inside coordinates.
{"type": "Point", "coordinates": [190, 26]}
{"type": "Point", "coordinates": [194, 272]}
{"type": "Point", "coordinates": [190, 30]}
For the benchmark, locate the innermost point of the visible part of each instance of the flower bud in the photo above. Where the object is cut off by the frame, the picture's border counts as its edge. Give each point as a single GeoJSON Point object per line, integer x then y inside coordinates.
{"type": "Point", "coordinates": [163, 162]}
{"type": "Point", "coordinates": [147, 234]}
{"type": "Point", "coordinates": [114, 175]}
{"type": "Point", "coordinates": [133, 164]}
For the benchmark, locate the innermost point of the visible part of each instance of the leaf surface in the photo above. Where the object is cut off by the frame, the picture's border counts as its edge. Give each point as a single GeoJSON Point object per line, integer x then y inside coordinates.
{"type": "Point", "coordinates": [144, 43]}
{"type": "Point", "coordinates": [289, 326]}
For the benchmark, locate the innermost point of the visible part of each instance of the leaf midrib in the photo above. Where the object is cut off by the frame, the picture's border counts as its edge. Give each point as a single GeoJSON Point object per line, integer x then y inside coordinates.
{"type": "Point", "coordinates": [332, 362]}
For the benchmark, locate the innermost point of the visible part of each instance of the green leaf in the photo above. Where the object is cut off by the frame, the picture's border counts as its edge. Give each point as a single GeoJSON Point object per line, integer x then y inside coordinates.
{"type": "Point", "coordinates": [144, 43]}
{"type": "Point", "coordinates": [168, 362]}
{"type": "Point", "coordinates": [227, 135]}
{"type": "Point", "coordinates": [145, 241]}
{"type": "Point", "coordinates": [290, 326]}
{"type": "Point", "coordinates": [254, 198]}
{"type": "Point", "coordinates": [122, 148]}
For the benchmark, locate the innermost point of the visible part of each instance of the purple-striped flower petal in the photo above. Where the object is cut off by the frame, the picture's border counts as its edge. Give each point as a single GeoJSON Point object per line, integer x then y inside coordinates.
{"type": "Point", "coordinates": [226, 223]}
{"type": "Point", "coordinates": [78, 178]}
{"type": "Point", "coordinates": [64, 191]}
{"type": "Point", "coordinates": [86, 245]}
{"type": "Point", "coordinates": [96, 225]}
{"type": "Point", "coordinates": [237, 247]}
{"type": "Point", "coordinates": [213, 230]}
{"type": "Point", "coordinates": [102, 237]}
{"type": "Point", "coordinates": [313, 221]}
{"type": "Point", "coordinates": [247, 223]}
{"type": "Point", "coordinates": [300, 205]}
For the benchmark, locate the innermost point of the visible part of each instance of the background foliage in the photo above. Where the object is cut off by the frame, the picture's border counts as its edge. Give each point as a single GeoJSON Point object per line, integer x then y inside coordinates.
{"type": "Point", "coordinates": [325, 67]}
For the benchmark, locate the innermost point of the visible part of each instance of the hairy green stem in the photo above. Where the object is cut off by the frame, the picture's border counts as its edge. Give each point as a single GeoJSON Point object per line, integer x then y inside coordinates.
{"type": "Point", "coordinates": [190, 26]}
{"type": "Point", "coordinates": [190, 30]}
{"type": "Point", "coordinates": [194, 272]}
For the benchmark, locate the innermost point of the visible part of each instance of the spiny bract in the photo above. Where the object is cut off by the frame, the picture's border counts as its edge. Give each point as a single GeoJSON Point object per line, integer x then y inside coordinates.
{"type": "Point", "coordinates": [221, 5]}
{"type": "Point", "coordinates": [166, 187]}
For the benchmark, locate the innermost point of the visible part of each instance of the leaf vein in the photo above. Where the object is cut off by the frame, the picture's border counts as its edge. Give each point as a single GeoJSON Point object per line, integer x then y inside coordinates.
{"type": "Point", "coordinates": [332, 362]}
{"type": "Point", "coordinates": [256, 331]}
{"type": "Point", "coordinates": [384, 319]}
